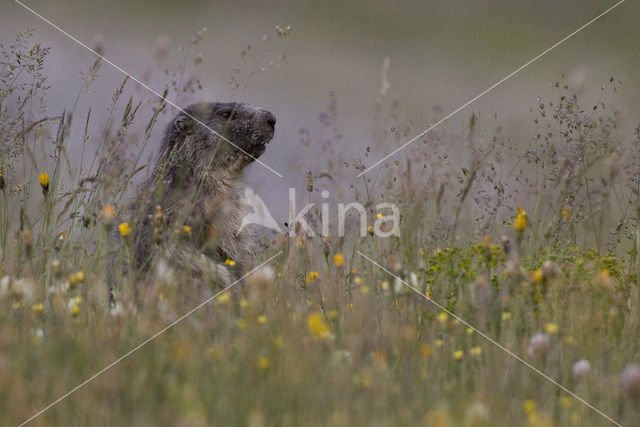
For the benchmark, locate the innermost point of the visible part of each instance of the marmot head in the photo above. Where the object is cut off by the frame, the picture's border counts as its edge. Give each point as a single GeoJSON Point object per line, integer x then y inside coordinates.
{"type": "Point", "coordinates": [242, 132]}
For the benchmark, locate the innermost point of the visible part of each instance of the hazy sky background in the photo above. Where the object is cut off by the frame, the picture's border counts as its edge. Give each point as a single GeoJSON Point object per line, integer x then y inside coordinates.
{"type": "Point", "coordinates": [441, 54]}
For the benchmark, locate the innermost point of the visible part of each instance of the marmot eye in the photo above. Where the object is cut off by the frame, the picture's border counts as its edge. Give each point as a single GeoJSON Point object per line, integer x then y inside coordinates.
{"type": "Point", "coordinates": [225, 114]}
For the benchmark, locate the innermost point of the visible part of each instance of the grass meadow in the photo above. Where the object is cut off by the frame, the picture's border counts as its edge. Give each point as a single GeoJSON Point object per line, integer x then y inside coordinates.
{"type": "Point", "coordinates": [531, 242]}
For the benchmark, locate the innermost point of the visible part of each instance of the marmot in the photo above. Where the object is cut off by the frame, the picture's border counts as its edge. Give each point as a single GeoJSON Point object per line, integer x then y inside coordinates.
{"type": "Point", "coordinates": [190, 209]}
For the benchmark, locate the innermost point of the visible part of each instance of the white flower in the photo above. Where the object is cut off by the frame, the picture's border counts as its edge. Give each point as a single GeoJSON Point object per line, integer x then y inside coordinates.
{"type": "Point", "coordinates": [581, 370]}
{"type": "Point", "coordinates": [630, 381]}
{"type": "Point", "coordinates": [539, 346]}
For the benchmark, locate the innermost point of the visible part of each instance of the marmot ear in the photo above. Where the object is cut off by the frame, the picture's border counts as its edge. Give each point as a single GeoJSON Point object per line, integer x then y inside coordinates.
{"type": "Point", "coordinates": [181, 124]}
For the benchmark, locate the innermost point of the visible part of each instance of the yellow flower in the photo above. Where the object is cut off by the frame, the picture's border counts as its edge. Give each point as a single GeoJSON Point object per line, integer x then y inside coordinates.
{"type": "Point", "coordinates": [230, 262]}
{"type": "Point", "coordinates": [224, 298]}
{"type": "Point", "coordinates": [277, 341]}
{"type": "Point", "coordinates": [475, 351]}
{"type": "Point", "coordinates": [187, 229]}
{"type": "Point", "coordinates": [506, 315]}
{"type": "Point", "coordinates": [124, 229]}
{"type": "Point", "coordinates": [37, 307]}
{"type": "Point", "coordinates": [317, 326]}
{"type": "Point", "coordinates": [551, 328]}
{"type": "Point", "coordinates": [520, 222]}
{"type": "Point", "coordinates": [566, 402]}
{"type": "Point", "coordinates": [262, 319]}
{"type": "Point", "coordinates": [370, 230]}
{"type": "Point", "coordinates": [384, 285]}
{"type": "Point", "coordinates": [77, 277]}
{"type": "Point", "coordinates": [311, 276]}
{"type": "Point", "coordinates": [244, 303]}
{"type": "Point", "coordinates": [338, 260]}
{"type": "Point", "coordinates": [425, 350]}
{"type": "Point", "coordinates": [379, 215]}
{"type": "Point", "coordinates": [43, 179]}
{"type": "Point", "coordinates": [442, 317]}
{"type": "Point", "coordinates": [457, 355]}
{"type": "Point", "coordinates": [364, 290]}
{"type": "Point", "coordinates": [263, 363]}
{"type": "Point", "coordinates": [529, 406]}
{"type": "Point", "coordinates": [469, 331]}
{"type": "Point", "coordinates": [439, 343]}
{"type": "Point", "coordinates": [536, 276]}
{"type": "Point", "coordinates": [357, 280]}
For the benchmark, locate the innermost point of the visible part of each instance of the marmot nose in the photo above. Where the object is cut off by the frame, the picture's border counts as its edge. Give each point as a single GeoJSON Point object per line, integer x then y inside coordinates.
{"type": "Point", "coordinates": [271, 120]}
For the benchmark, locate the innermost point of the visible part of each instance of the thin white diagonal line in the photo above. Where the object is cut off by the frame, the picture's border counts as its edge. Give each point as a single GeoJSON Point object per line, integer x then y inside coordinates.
{"type": "Point", "coordinates": [490, 88]}
{"type": "Point", "coordinates": [497, 344]}
{"type": "Point", "coordinates": [127, 354]}
{"type": "Point", "coordinates": [143, 84]}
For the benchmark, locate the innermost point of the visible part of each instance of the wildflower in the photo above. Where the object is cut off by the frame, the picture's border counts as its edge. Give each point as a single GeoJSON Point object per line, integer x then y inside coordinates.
{"type": "Point", "coordinates": [124, 229]}
{"type": "Point", "coordinates": [469, 331]}
{"type": "Point", "coordinates": [581, 370]}
{"type": "Point", "coordinates": [520, 222]}
{"type": "Point", "coordinates": [439, 342]}
{"type": "Point", "coordinates": [425, 350]}
{"type": "Point", "coordinates": [277, 341]}
{"type": "Point", "coordinates": [1, 181]}
{"type": "Point", "coordinates": [317, 326]}
{"type": "Point", "coordinates": [630, 382]}
{"type": "Point", "coordinates": [506, 316]}
{"type": "Point", "coordinates": [566, 213]}
{"type": "Point", "coordinates": [311, 276]}
{"type": "Point", "coordinates": [538, 346]}
{"type": "Point", "coordinates": [244, 303]}
{"type": "Point", "coordinates": [74, 306]}
{"type": "Point", "coordinates": [76, 278]}
{"type": "Point", "coordinates": [364, 290]}
{"type": "Point", "coordinates": [338, 260]}
{"type": "Point", "coordinates": [43, 179]}
{"type": "Point", "coordinates": [457, 355]}
{"type": "Point", "coordinates": [241, 324]}
{"type": "Point", "coordinates": [380, 357]}
{"type": "Point", "coordinates": [475, 351]}
{"type": "Point", "coordinates": [379, 215]}
{"type": "Point", "coordinates": [442, 317]}
{"type": "Point", "coordinates": [107, 216]}
{"type": "Point", "coordinates": [370, 230]}
{"type": "Point", "coordinates": [332, 314]}
{"type": "Point", "coordinates": [551, 328]}
{"type": "Point", "coordinates": [187, 229]}
{"type": "Point", "coordinates": [384, 285]}
{"type": "Point", "coordinates": [37, 307]}
{"type": "Point", "coordinates": [262, 319]}
{"type": "Point", "coordinates": [529, 407]}
{"type": "Point", "coordinates": [224, 298]}
{"type": "Point", "coordinates": [263, 363]}
{"type": "Point", "coordinates": [477, 414]}
{"type": "Point", "coordinates": [357, 280]}
{"type": "Point", "coordinates": [536, 276]}
{"type": "Point", "coordinates": [230, 262]}
{"type": "Point", "coordinates": [603, 280]}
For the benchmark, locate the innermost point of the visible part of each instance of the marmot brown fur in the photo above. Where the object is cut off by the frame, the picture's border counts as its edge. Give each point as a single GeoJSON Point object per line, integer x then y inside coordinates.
{"type": "Point", "coordinates": [190, 210]}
